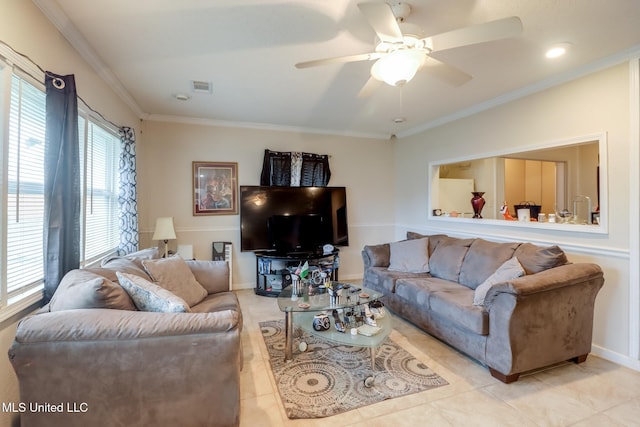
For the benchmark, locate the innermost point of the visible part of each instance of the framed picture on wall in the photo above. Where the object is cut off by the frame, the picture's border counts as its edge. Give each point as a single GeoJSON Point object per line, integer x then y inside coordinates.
{"type": "Point", "coordinates": [215, 188]}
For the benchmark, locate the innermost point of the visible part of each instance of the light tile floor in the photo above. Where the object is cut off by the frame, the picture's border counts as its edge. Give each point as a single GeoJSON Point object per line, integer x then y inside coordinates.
{"type": "Point", "coordinates": [594, 393]}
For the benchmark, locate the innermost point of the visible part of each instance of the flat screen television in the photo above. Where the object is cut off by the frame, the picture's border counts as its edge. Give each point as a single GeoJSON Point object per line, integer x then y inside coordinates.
{"type": "Point", "coordinates": [292, 219]}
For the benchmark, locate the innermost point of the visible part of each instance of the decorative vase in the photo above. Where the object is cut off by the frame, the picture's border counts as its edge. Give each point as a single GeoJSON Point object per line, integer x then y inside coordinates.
{"type": "Point", "coordinates": [477, 202]}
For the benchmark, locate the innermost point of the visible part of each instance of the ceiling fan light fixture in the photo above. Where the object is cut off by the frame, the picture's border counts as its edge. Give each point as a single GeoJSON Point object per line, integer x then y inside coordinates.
{"type": "Point", "coordinates": [399, 67]}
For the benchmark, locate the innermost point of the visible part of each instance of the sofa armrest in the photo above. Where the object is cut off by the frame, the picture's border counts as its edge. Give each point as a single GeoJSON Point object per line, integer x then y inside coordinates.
{"type": "Point", "coordinates": [376, 255]}
{"type": "Point", "coordinates": [543, 318]}
{"type": "Point", "coordinates": [548, 280]}
{"type": "Point", "coordinates": [130, 368]}
{"type": "Point", "coordinates": [212, 275]}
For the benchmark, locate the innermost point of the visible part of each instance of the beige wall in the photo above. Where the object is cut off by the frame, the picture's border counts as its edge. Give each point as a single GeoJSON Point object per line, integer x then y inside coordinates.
{"type": "Point", "coordinates": [165, 155]}
{"type": "Point", "coordinates": [593, 104]}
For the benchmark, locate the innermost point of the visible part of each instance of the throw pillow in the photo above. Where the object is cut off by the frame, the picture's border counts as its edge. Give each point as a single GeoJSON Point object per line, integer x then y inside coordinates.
{"type": "Point", "coordinates": [410, 256]}
{"type": "Point", "coordinates": [510, 270]}
{"type": "Point", "coordinates": [174, 275]}
{"type": "Point", "coordinates": [148, 296]}
{"type": "Point", "coordinates": [82, 288]}
{"type": "Point", "coordinates": [535, 259]}
{"type": "Point", "coordinates": [378, 255]}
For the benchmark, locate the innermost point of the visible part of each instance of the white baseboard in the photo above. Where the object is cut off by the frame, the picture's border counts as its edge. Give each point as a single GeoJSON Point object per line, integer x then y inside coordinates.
{"type": "Point", "coordinates": [614, 357]}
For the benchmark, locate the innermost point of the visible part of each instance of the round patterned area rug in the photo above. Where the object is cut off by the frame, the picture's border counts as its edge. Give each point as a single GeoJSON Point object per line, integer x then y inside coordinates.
{"type": "Point", "coordinates": [329, 379]}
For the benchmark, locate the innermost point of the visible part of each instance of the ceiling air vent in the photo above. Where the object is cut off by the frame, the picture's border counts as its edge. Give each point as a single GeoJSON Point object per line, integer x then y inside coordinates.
{"type": "Point", "coordinates": [200, 86]}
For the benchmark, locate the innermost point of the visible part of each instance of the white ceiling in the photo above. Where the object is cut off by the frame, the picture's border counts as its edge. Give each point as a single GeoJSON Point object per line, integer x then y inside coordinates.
{"type": "Point", "coordinates": [151, 50]}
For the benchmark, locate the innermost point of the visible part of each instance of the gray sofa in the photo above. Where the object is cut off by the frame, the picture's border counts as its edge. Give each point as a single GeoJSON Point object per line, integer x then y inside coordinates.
{"type": "Point", "coordinates": [91, 357]}
{"type": "Point", "coordinates": [457, 290]}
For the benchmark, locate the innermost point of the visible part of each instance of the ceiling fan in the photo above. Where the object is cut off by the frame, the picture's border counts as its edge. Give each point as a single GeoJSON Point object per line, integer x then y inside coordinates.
{"type": "Point", "coordinates": [401, 48]}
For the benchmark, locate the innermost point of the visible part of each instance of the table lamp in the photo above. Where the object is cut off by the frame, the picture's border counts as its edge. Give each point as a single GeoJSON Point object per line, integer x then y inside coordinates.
{"type": "Point", "coordinates": [164, 231]}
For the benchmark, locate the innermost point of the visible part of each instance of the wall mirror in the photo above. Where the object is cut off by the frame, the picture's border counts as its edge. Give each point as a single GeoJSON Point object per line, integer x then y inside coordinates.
{"type": "Point", "coordinates": [566, 179]}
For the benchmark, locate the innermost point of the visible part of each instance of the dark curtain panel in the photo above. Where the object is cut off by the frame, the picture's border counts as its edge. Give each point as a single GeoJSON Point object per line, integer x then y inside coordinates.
{"type": "Point", "coordinates": [276, 169]}
{"type": "Point", "coordinates": [62, 181]}
{"type": "Point", "coordinates": [127, 198]}
{"type": "Point", "coordinates": [315, 170]}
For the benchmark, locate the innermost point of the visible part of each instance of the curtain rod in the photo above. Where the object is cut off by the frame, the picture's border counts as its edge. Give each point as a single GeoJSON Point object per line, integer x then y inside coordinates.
{"type": "Point", "coordinates": [51, 75]}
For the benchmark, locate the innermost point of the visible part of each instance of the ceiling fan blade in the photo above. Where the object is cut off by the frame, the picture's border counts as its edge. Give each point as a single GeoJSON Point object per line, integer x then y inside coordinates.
{"type": "Point", "coordinates": [339, 60]}
{"type": "Point", "coordinates": [445, 72]}
{"type": "Point", "coordinates": [382, 21]}
{"type": "Point", "coordinates": [369, 87]}
{"type": "Point", "coordinates": [489, 31]}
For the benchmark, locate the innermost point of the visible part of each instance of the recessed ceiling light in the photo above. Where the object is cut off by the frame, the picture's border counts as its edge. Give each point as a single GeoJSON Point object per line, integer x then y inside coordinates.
{"type": "Point", "coordinates": [182, 97]}
{"type": "Point", "coordinates": [399, 120]}
{"type": "Point", "coordinates": [557, 50]}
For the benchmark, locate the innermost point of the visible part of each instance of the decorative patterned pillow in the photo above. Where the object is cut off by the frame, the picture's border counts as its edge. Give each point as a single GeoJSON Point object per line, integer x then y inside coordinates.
{"type": "Point", "coordinates": [510, 270]}
{"type": "Point", "coordinates": [410, 256]}
{"type": "Point", "coordinates": [174, 275]}
{"type": "Point", "coordinates": [148, 296]}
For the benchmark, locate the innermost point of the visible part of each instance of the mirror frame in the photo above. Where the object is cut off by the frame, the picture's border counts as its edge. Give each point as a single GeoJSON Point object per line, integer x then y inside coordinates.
{"type": "Point", "coordinates": [601, 228]}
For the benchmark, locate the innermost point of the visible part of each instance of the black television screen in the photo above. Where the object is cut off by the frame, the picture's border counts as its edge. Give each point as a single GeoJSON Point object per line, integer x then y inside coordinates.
{"type": "Point", "coordinates": [292, 233]}
{"type": "Point", "coordinates": [306, 218]}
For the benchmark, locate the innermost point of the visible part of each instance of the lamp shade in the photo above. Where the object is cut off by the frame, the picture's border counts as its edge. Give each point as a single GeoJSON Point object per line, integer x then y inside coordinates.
{"type": "Point", "coordinates": [164, 229]}
{"type": "Point", "coordinates": [398, 67]}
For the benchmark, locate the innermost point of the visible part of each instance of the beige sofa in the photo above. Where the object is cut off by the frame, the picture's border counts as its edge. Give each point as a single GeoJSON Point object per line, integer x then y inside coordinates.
{"type": "Point", "coordinates": [468, 293]}
{"type": "Point", "coordinates": [90, 357]}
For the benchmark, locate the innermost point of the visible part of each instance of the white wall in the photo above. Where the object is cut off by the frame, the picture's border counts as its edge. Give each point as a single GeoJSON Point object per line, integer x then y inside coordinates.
{"type": "Point", "coordinates": [26, 30]}
{"type": "Point", "coordinates": [165, 155]}
{"type": "Point", "coordinates": [593, 104]}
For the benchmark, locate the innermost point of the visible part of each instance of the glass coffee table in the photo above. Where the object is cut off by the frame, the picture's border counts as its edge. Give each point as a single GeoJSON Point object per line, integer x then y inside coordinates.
{"type": "Point", "coordinates": [300, 308]}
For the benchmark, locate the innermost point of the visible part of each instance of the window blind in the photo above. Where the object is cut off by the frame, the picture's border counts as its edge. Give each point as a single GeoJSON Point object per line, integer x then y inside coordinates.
{"type": "Point", "coordinates": [25, 198]}
{"type": "Point", "coordinates": [101, 211]}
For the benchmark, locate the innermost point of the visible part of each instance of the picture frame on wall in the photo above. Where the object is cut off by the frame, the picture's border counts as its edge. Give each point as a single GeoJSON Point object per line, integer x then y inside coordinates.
{"type": "Point", "coordinates": [215, 188]}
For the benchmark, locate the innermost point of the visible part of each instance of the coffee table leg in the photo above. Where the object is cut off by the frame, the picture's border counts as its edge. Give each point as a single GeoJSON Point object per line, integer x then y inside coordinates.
{"type": "Point", "coordinates": [288, 334]}
{"type": "Point", "coordinates": [373, 359]}
{"type": "Point", "coordinates": [368, 381]}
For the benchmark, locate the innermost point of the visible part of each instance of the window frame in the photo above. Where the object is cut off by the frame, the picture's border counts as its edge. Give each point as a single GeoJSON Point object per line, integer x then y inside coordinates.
{"type": "Point", "coordinates": [27, 297]}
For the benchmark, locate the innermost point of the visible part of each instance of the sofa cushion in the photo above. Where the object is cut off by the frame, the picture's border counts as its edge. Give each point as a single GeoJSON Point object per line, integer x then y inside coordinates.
{"type": "Point", "coordinates": [148, 296]}
{"type": "Point", "coordinates": [416, 291]}
{"type": "Point", "coordinates": [378, 254]}
{"type": "Point", "coordinates": [510, 270]}
{"type": "Point", "coordinates": [174, 275]}
{"type": "Point", "coordinates": [434, 239]}
{"type": "Point", "coordinates": [83, 288]}
{"type": "Point", "coordinates": [217, 302]}
{"type": "Point", "coordinates": [383, 280]}
{"type": "Point", "coordinates": [410, 256]}
{"type": "Point", "coordinates": [212, 275]}
{"type": "Point", "coordinates": [456, 305]}
{"type": "Point", "coordinates": [124, 265]}
{"type": "Point", "coordinates": [483, 259]}
{"type": "Point", "coordinates": [446, 260]}
{"type": "Point", "coordinates": [535, 259]}
{"type": "Point", "coordinates": [137, 257]}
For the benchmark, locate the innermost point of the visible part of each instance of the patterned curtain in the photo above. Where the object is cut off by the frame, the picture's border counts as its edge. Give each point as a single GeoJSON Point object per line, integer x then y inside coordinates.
{"type": "Point", "coordinates": [61, 181]}
{"type": "Point", "coordinates": [296, 169]}
{"type": "Point", "coordinates": [128, 194]}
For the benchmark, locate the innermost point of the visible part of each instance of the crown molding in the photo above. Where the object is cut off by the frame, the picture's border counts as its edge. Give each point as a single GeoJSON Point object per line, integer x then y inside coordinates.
{"type": "Point", "coordinates": [610, 61]}
{"type": "Point", "coordinates": [261, 126]}
{"type": "Point", "coordinates": [61, 21]}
